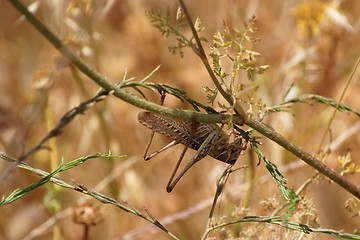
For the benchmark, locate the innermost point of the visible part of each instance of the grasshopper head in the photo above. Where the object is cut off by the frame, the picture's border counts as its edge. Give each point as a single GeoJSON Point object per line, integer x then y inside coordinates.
{"type": "Point", "coordinates": [232, 151]}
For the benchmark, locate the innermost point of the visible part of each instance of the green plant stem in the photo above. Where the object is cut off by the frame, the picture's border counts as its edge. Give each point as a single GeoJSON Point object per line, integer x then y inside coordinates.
{"type": "Point", "coordinates": [201, 53]}
{"type": "Point", "coordinates": [188, 115]}
{"type": "Point", "coordinates": [306, 157]}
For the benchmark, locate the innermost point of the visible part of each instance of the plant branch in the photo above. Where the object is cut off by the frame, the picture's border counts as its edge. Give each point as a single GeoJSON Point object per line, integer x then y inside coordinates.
{"type": "Point", "coordinates": [201, 53]}
{"type": "Point", "coordinates": [306, 157]}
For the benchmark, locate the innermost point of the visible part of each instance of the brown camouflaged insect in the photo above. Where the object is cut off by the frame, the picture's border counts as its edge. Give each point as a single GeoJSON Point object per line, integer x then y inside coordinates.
{"type": "Point", "coordinates": [205, 138]}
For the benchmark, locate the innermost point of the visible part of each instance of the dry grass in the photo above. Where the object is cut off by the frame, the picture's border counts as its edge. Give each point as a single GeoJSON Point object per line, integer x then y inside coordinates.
{"type": "Point", "coordinates": [125, 38]}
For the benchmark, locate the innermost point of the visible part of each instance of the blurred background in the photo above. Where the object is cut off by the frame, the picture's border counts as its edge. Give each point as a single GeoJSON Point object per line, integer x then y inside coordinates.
{"type": "Point", "coordinates": [311, 44]}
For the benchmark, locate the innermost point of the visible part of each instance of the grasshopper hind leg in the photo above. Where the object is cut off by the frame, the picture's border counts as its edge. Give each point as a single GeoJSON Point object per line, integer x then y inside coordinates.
{"type": "Point", "coordinates": [200, 154]}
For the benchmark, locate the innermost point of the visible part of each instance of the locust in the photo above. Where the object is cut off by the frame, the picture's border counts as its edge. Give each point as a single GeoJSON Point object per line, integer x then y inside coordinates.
{"type": "Point", "coordinates": [205, 138]}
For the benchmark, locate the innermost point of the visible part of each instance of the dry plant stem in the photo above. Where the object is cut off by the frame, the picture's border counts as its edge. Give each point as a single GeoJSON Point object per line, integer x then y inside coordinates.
{"type": "Point", "coordinates": [65, 120]}
{"type": "Point", "coordinates": [99, 112]}
{"type": "Point", "coordinates": [250, 161]}
{"type": "Point", "coordinates": [86, 230]}
{"type": "Point", "coordinates": [186, 115]}
{"type": "Point", "coordinates": [219, 189]}
{"type": "Point", "coordinates": [339, 102]}
{"type": "Point", "coordinates": [54, 158]}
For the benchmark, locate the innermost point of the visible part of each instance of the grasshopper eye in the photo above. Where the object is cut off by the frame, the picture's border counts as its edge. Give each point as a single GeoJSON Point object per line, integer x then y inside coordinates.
{"type": "Point", "coordinates": [234, 156]}
{"type": "Point", "coordinates": [224, 157]}
{"type": "Point", "coordinates": [229, 156]}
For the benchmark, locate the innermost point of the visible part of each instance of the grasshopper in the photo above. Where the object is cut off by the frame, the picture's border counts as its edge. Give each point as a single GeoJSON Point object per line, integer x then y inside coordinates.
{"type": "Point", "coordinates": [205, 138]}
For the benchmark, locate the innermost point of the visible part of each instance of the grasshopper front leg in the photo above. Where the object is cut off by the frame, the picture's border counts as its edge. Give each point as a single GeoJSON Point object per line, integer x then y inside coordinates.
{"type": "Point", "coordinates": [153, 154]}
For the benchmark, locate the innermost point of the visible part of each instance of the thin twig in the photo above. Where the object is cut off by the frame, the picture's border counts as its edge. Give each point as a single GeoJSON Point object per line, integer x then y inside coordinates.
{"type": "Point", "coordinates": [201, 53]}
{"type": "Point", "coordinates": [339, 103]}
{"type": "Point", "coordinates": [65, 120]}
